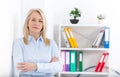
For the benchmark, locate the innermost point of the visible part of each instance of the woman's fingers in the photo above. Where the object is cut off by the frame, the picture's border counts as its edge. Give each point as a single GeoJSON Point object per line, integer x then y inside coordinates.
{"type": "Point", "coordinates": [21, 63]}
{"type": "Point", "coordinates": [54, 59]}
{"type": "Point", "coordinates": [22, 66]}
{"type": "Point", "coordinates": [26, 66]}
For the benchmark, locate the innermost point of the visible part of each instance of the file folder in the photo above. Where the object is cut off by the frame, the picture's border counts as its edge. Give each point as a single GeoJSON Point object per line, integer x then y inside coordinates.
{"type": "Point", "coordinates": [67, 64]}
{"type": "Point", "coordinates": [65, 40]}
{"type": "Point", "coordinates": [99, 38]}
{"type": "Point", "coordinates": [93, 45]}
{"type": "Point", "coordinates": [63, 59]}
{"type": "Point", "coordinates": [73, 38]}
{"type": "Point", "coordinates": [100, 62]}
{"type": "Point", "coordinates": [104, 61]}
{"type": "Point", "coordinates": [73, 61]}
{"type": "Point", "coordinates": [107, 37]}
{"type": "Point", "coordinates": [69, 38]}
{"type": "Point", "coordinates": [80, 61]}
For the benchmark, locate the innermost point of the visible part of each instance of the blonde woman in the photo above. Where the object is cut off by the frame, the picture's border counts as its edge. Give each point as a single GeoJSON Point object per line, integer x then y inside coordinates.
{"type": "Point", "coordinates": [35, 55]}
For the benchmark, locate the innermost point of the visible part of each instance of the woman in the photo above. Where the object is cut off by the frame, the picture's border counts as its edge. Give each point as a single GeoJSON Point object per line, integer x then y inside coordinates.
{"type": "Point", "coordinates": [35, 55]}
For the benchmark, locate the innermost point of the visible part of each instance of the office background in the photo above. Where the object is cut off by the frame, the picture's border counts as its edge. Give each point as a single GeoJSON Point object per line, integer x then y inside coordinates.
{"type": "Point", "coordinates": [13, 13]}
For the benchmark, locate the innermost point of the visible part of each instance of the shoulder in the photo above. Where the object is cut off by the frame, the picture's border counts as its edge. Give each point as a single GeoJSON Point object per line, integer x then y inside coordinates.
{"type": "Point", "coordinates": [18, 41]}
{"type": "Point", "coordinates": [52, 42]}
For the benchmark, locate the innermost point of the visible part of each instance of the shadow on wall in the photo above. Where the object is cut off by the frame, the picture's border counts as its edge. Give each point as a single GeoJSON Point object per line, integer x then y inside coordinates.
{"type": "Point", "coordinates": [56, 33]}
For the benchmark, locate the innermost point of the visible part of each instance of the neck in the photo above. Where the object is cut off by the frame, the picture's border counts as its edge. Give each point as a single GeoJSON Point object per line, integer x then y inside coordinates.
{"type": "Point", "coordinates": [35, 35]}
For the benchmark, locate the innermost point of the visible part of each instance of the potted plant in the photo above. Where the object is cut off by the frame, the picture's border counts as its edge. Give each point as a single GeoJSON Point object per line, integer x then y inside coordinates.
{"type": "Point", "coordinates": [75, 13]}
{"type": "Point", "coordinates": [100, 17]}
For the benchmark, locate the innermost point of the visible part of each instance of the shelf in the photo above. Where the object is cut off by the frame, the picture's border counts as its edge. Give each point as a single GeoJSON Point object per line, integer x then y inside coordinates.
{"type": "Point", "coordinates": [102, 49]}
{"type": "Point", "coordinates": [82, 25]}
{"type": "Point", "coordinates": [88, 53]}
{"type": "Point", "coordinates": [87, 73]}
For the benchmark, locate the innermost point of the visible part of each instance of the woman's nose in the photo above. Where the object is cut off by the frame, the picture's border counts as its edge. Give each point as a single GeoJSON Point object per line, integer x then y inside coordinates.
{"type": "Point", "coordinates": [37, 23]}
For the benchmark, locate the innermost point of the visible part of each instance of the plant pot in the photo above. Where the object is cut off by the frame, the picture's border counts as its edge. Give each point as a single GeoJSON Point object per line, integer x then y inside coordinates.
{"type": "Point", "coordinates": [74, 21]}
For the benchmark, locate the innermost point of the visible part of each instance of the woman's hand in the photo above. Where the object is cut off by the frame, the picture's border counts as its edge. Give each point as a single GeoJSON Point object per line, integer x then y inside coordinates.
{"type": "Point", "coordinates": [25, 66]}
{"type": "Point", "coordinates": [54, 59]}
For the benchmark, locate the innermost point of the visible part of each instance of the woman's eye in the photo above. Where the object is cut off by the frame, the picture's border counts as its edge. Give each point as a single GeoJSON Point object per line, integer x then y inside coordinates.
{"type": "Point", "coordinates": [33, 19]}
{"type": "Point", "coordinates": [40, 21]}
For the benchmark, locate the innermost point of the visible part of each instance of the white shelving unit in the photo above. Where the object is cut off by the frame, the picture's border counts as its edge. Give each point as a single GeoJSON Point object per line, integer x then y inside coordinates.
{"type": "Point", "coordinates": [85, 74]}
{"type": "Point", "coordinates": [85, 36]}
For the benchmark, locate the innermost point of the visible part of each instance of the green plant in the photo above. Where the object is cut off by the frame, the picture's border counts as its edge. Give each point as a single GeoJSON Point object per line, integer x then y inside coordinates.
{"type": "Point", "coordinates": [101, 17]}
{"type": "Point", "coordinates": [75, 13]}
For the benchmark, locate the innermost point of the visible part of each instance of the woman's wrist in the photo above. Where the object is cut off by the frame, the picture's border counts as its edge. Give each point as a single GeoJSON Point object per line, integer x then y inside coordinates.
{"type": "Point", "coordinates": [35, 67]}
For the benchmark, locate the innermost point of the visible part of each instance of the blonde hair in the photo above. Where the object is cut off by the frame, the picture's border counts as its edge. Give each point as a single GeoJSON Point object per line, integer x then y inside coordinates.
{"type": "Point", "coordinates": [43, 30]}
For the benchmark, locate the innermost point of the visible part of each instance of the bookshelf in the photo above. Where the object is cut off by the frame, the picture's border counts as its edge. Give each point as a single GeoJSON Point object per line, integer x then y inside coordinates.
{"type": "Point", "coordinates": [85, 36]}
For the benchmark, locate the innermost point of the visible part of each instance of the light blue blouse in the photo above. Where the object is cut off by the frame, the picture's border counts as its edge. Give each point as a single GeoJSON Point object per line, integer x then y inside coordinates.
{"type": "Point", "coordinates": [36, 52]}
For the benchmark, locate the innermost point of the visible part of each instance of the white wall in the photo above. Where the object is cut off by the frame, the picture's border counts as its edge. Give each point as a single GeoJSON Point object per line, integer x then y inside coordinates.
{"type": "Point", "coordinates": [9, 11]}
{"type": "Point", "coordinates": [89, 8]}
{"type": "Point", "coordinates": [115, 37]}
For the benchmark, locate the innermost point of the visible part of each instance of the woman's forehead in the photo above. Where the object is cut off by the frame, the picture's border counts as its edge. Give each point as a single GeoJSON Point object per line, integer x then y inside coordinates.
{"type": "Point", "coordinates": [36, 15]}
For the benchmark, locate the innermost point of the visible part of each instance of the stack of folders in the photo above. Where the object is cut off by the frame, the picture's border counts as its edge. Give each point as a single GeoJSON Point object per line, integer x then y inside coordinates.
{"type": "Point", "coordinates": [98, 39]}
{"type": "Point", "coordinates": [102, 61]}
{"type": "Point", "coordinates": [102, 37]}
{"type": "Point", "coordinates": [71, 63]}
{"type": "Point", "coordinates": [70, 40]}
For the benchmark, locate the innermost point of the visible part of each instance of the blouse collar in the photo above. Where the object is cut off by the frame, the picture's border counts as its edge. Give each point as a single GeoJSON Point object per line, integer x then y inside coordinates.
{"type": "Point", "coordinates": [30, 38]}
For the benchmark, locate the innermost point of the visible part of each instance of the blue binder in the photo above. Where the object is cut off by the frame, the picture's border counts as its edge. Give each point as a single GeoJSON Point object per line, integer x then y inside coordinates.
{"type": "Point", "coordinates": [107, 37]}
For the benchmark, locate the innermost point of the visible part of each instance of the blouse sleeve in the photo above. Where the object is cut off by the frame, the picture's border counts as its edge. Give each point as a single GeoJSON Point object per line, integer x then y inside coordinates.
{"type": "Point", "coordinates": [53, 67]}
{"type": "Point", "coordinates": [17, 56]}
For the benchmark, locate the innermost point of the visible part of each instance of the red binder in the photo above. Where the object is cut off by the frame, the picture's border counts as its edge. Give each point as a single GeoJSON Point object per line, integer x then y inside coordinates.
{"type": "Point", "coordinates": [104, 61]}
{"type": "Point", "coordinates": [101, 63]}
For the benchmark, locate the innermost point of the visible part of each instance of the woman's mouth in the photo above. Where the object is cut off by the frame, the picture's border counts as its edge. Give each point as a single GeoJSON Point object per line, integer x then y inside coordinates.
{"type": "Point", "coordinates": [35, 27]}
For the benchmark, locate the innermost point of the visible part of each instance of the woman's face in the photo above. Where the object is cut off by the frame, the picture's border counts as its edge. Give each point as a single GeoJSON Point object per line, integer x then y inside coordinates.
{"type": "Point", "coordinates": [35, 23]}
